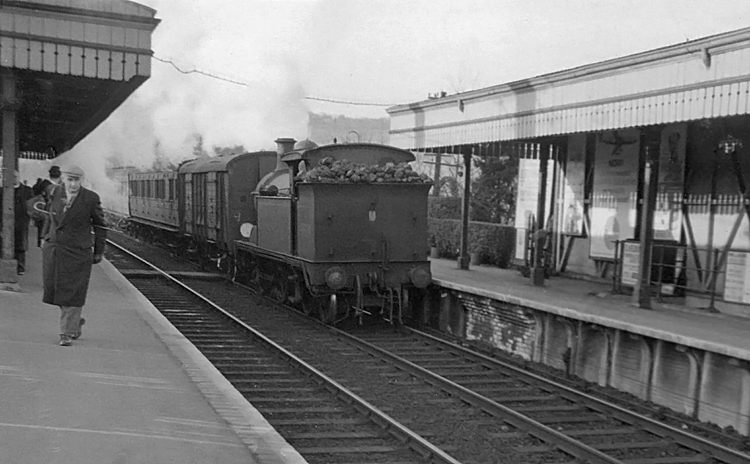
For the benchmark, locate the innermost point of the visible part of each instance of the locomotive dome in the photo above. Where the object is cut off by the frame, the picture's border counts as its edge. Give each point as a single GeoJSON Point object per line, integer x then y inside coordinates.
{"type": "Point", "coordinates": [306, 144]}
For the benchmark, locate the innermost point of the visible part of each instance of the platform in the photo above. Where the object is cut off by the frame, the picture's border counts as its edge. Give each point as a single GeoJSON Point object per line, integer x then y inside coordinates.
{"type": "Point", "coordinates": [593, 302]}
{"type": "Point", "coordinates": [131, 390]}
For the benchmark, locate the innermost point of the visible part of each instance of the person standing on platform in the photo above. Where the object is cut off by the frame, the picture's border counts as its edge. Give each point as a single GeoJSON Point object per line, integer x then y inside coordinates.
{"type": "Point", "coordinates": [38, 189]}
{"type": "Point", "coordinates": [22, 194]}
{"type": "Point", "coordinates": [74, 213]}
{"type": "Point", "coordinates": [54, 179]}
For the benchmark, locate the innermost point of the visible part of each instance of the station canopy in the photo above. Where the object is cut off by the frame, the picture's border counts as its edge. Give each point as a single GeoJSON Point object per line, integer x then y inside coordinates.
{"type": "Point", "coordinates": [73, 63]}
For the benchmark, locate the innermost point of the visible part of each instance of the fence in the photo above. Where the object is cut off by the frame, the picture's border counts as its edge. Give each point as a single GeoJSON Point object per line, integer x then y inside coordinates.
{"type": "Point", "coordinates": [676, 270]}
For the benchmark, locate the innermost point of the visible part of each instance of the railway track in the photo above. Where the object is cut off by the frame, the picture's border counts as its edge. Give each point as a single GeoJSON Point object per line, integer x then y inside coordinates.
{"type": "Point", "coordinates": [325, 422]}
{"type": "Point", "coordinates": [469, 405]}
{"type": "Point", "coordinates": [506, 391]}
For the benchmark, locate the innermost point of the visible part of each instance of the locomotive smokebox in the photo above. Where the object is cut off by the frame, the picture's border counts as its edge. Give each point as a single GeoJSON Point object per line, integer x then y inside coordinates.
{"type": "Point", "coordinates": [283, 145]}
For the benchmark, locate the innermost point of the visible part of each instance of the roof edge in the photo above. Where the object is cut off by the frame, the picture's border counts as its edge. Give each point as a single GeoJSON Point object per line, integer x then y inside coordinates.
{"type": "Point", "coordinates": [658, 54]}
{"type": "Point", "coordinates": [30, 5]}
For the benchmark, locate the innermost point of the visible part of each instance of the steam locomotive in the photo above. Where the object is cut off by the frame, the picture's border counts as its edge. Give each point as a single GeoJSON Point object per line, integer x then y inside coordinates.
{"type": "Point", "coordinates": [338, 246]}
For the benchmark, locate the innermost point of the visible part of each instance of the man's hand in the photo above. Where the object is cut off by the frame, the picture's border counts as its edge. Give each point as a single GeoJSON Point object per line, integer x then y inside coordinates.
{"type": "Point", "coordinates": [98, 259]}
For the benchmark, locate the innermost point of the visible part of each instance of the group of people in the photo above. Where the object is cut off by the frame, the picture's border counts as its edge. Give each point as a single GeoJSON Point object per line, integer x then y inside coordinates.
{"type": "Point", "coordinates": [65, 215]}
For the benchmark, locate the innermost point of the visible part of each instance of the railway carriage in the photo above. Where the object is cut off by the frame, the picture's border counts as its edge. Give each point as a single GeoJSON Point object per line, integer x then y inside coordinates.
{"type": "Point", "coordinates": [153, 203]}
{"type": "Point", "coordinates": [216, 200]}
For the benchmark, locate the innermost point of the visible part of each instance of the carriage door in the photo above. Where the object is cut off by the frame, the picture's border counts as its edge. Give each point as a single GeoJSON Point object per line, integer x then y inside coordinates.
{"type": "Point", "coordinates": [186, 206]}
{"type": "Point", "coordinates": [199, 200]}
{"type": "Point", "coordinates": [221, 214]}
{"type": "Point", "coordinates": [211, 208]}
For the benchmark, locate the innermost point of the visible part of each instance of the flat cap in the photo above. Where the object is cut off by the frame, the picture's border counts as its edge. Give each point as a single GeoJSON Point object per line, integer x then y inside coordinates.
{"type": "Point", "coordinates": [73, 170]}
{"type": "Point", "coordinates": [54, 170]}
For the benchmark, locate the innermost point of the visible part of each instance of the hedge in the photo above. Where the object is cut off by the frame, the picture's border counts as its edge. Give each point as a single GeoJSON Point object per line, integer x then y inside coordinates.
{"type": "Point", "coordinates": [494, 242]}
{"type": "Point", "coordinates": [444, 207]}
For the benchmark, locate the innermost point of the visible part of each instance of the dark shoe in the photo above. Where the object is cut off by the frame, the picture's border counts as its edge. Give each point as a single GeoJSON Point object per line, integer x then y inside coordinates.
{"type": "Point", "coordinates": [65, 340]}
{"type": "Point", "coordinates": [77, 335]}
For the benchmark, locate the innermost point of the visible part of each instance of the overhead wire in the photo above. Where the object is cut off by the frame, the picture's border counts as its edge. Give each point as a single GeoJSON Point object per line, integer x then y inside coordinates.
{"type": "Point", "coordinates": [238, 82]}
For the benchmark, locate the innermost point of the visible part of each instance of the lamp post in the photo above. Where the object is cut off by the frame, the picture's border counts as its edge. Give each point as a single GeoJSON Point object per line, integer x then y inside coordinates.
{"type": "Point", "coordinates": [463, 258]}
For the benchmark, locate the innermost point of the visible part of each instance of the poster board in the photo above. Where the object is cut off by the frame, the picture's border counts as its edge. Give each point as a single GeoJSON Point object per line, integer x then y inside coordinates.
{"type": "Point", "coordinates": [631, 254]}
{"type": "Point", "coordinates": [614, 199]}
{"type": "Point", "coordinates": [670, 187]}
{"type": "Point", "coordinates": [737, 282]}
{"type": "Point", "coordinates": [527, 197]}
{"type": "Point", "coordinates": [573, 181]}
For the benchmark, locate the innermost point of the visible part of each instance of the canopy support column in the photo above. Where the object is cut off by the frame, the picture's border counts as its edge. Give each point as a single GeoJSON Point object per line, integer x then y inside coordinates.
{"type": "Point", "coordinates": [464, 258]}
{"type": "Point", "coordinates": [9, 104]}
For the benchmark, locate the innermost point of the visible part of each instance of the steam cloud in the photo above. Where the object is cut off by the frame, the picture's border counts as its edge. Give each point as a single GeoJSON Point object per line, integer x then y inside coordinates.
{"type": "Point", "coordinates": [252, 42]}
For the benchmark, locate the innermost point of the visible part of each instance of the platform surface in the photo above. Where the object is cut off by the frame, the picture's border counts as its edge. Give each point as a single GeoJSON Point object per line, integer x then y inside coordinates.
{"type": "Point", "coordinates": [131, 390]}
{"type": "Point", "coordinates": [593, 302]}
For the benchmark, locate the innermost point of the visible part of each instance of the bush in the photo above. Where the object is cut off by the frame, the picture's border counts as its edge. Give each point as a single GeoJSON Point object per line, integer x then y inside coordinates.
{"type": "Point", "coordinates": [494, 242]}
{"type": "Point", "coordinates": [444, 207]}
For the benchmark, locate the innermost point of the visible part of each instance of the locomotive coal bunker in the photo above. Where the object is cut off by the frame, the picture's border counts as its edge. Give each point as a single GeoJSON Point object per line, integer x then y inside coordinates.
{"type": "Point", "coordinates": [333, 248]}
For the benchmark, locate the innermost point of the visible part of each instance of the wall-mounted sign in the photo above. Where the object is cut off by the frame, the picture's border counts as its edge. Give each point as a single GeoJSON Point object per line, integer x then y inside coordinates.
{"type": "Point", "coordinates": [614, 196]}
{"type": "Point", "coordinates": [631, 254]}
{"type": "Point", "coordinates": [737, 282]}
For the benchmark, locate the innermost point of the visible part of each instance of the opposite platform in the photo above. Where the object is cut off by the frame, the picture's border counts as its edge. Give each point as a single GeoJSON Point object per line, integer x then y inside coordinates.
{"type": "Point", "coordinates": [131, 390]}
{"type": "Point", "coordinates": [591, 302]}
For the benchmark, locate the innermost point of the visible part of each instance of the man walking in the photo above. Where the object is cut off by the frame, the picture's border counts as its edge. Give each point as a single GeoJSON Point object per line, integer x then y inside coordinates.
{"type": "Point", "coordinates": [74, 212]}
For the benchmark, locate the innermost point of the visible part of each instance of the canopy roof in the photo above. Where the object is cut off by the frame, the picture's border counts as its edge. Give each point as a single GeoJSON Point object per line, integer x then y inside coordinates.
{"type": "Point", "coordinates": [72, 62]}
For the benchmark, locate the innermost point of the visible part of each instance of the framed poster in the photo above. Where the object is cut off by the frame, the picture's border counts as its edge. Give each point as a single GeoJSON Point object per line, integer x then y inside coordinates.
{"type": "Point", "coordinates": [615, 190]}
{"type": "Point", "coordinates": [527, 197]}
{"type": "Point", "coordinates": [631, 255]}
{"type": "Point", "coordinates": [737, 283]}
{"type": "Point", "coordinates": [573, 180]}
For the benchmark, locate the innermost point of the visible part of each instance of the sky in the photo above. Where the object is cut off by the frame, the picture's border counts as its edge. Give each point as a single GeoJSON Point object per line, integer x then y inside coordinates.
{"type": "Point", "coordinates": [287, 53]}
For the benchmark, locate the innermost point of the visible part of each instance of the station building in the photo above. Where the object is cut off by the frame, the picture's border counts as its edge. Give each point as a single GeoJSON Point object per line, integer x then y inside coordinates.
{"type": "Point", "coordinates": [648, 151]}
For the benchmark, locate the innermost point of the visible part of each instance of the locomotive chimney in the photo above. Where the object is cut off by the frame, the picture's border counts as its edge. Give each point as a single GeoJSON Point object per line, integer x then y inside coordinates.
{"type": "Point", "coordinates": [283, 146]}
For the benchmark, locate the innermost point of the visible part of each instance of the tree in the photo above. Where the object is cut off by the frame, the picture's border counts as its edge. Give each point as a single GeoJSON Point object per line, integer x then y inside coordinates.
{"type": "Point", "coordinates": [494, 192]}
{"type": "Point", "coordinates": [198, 150]}
{"type": "Point", "coordinates": [221, 151]}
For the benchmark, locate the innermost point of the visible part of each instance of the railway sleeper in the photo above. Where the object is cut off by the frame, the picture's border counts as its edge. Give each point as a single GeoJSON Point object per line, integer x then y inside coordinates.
{"type": "Point", "coordinates": [547, 420]}
{"type": "Point", "coordinates": [307, 421]}
{"type": "Point", "coordinates": [601, 447]}
{"type": "Point", "coordinates": [346, 450]}
{"type": "Point", "coordinates": [329, 435]}
{"type": "Point", "coordinates": [549, 408]}
{"type": "Point", "coordinates": [668, 460]}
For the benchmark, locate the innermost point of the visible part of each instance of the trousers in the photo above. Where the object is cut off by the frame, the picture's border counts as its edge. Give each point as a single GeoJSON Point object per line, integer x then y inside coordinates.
{"type": "Point", "coordinates": [70, 320]}
{"type": "Point", "coordinates": [21, 261]}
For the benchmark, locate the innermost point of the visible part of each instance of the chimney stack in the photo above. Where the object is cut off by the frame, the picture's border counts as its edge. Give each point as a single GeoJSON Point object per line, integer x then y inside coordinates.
{"type": "Point", "coordinates": [283, 146]}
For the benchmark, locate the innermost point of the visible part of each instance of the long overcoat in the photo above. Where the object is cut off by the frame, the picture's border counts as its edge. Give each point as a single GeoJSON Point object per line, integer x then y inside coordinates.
{"type": "Point", "coordinates": [67, 252]}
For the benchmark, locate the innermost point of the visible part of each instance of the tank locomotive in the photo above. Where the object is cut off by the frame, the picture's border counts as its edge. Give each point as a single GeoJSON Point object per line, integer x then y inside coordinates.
{"type": "Point", "coordinates": [331, 247]}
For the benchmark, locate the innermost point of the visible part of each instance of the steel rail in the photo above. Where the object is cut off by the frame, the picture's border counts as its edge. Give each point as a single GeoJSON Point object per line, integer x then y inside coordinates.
{"type": "Point", "coordinates": [543, 432]}
{"type": "Point", "coordinates": [412, 439]}
{"type": "Point", "coordinates": [696, 443]}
